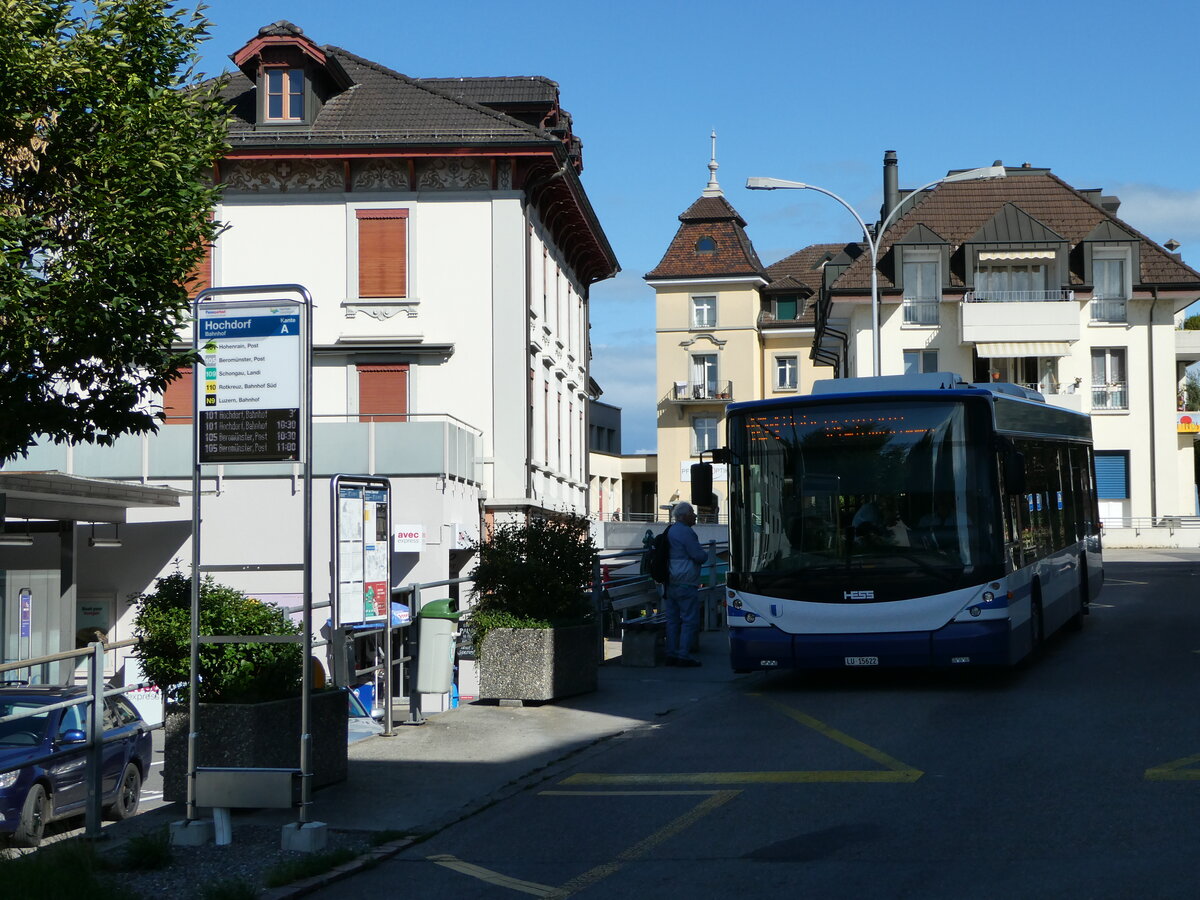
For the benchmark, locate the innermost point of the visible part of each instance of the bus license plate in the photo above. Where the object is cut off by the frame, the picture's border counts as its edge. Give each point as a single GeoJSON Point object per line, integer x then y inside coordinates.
{"type": "Point", "coordinates": [862, 660]}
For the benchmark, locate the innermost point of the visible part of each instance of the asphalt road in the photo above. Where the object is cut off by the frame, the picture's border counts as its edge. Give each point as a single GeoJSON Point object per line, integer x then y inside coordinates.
{"type": "Point", "coordinates": [1076, 776]}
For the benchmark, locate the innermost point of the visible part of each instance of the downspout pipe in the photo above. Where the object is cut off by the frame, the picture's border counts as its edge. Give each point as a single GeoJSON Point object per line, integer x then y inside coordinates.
{"type": "Point", "coordinates": [1153, 416]}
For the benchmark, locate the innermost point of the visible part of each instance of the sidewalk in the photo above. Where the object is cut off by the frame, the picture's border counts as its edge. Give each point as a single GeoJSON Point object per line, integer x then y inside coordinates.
{"type": "Point", "coordinates": [426, 777]}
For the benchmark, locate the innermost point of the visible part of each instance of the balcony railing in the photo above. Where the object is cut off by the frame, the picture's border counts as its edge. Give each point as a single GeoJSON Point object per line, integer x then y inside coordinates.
{"type": "Point", "coordinates": [425, 444]}
{"type": "Point", "coordinates": [768, 319]}
{"type": "Point", "coordinates": [920, 312]}
{"type": "Point", "coordinates": [1110, 396]}
{"type": "Point", "coordinates": [1108, 310]}
{"type": "Point", "coordinates": [1017, 296]}
{"type": "Point", "coordinates": [701, 392]}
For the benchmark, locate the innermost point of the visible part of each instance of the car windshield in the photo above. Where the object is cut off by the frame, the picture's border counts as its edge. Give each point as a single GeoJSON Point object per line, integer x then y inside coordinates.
{"type": "Point", "coordinates": [26, 732]}
{"type": "Point", "coordinates": [894, 494]}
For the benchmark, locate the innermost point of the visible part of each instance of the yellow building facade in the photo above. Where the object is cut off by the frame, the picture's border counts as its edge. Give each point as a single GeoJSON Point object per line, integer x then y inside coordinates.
{"type": "Point", "coordinates": [728, 329]}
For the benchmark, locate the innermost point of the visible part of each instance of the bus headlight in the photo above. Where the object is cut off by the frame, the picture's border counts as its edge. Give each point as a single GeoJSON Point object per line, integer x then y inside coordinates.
{"type": "Point", "coordinates": [737, 604]}
{"type": "Point", "coordinates": [988, 596]}
{"type": "Point", "coordinates": [975, 611]}
{"type": "Point", "coordinates": [750, 617]}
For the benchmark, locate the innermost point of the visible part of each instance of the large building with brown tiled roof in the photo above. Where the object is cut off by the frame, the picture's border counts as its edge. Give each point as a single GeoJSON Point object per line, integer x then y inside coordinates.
{"type": "Point", "coordinates": [443, 232]}
{"type": "Point", "coordinates": [1026, 279]}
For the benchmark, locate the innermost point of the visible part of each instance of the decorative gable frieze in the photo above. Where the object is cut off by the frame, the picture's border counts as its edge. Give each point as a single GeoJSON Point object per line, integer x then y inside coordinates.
{"type": "Point", "coordinates": [282, 176]}
{"type": "Point", "coordinates": [379, 175]}
{"type": "Point", "coordinates": [454, 175]}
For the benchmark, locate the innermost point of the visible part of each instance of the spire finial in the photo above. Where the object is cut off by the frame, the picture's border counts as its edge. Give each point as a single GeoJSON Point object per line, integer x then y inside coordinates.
{"type": "Point", "coordinates": [712, 189]}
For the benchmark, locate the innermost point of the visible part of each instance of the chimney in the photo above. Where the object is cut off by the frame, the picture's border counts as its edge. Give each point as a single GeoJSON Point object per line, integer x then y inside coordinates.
{"type": "Point", "coordinates": [891, 184]}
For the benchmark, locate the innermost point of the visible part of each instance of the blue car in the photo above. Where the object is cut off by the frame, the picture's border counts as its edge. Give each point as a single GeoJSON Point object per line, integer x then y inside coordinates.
{"type": "Point", "coordinates": [43, 760]}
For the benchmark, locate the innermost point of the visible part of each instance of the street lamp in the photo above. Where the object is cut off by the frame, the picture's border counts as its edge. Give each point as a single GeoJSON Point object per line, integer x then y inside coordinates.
{"type": "Point", "coordinates": [775, 184]}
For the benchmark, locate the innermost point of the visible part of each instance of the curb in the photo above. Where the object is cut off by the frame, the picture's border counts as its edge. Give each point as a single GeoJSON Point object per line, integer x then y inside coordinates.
{"type": "Point", "coordinates": [345, 870]}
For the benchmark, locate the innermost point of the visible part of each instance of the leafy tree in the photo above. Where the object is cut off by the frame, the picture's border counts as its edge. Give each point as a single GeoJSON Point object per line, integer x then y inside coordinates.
{"type": "Point", "coordinates": [107, 142]}
{"type": "Point", "coordinates": [229, 673]}
{"type": "Point", "coordinates": [1191, 323]}
{"type": "Point", "coordinates": [1191, 392]}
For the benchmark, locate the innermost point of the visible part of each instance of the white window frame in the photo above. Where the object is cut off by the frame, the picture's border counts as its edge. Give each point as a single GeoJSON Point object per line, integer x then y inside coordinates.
{"type": "Point", "coordinates": [781, 370]}
{"type": "Point", "coordinates": [921, 358]}
{"type": "Point", "coordinates": [916, 306]}
{"type": "Point", "coordinates": [1114, 394]}
{"type": "Point", "coordinates": [1112, 309]}
{"type": "Point", "coordinates": [706, 303]}
{"type": "Point", "coordinates": [694, 430]}
{"type": "Point", "coordinates": [704, 380]}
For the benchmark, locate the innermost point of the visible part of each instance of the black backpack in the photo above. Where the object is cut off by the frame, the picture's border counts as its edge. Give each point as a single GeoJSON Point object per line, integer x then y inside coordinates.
{"type": "Point", "coordinates": [660, 557]}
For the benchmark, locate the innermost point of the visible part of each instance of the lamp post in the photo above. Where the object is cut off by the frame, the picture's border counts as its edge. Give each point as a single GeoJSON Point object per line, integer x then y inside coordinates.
{"type": "Point", "coordinates": [775, 184]}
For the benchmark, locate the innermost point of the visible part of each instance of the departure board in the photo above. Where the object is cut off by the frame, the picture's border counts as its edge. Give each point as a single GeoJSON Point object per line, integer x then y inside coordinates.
{"type": "Point", "coordinates": [248, 384]}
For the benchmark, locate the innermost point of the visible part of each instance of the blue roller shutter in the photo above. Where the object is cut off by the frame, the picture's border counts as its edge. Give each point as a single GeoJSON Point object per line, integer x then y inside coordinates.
{"type": "Point", "coordinates": [1112, 475]}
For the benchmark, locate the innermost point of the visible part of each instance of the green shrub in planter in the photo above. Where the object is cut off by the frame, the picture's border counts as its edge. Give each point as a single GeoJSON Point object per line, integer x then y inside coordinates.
{"type": "Point", "coordinates": [533, 574]}
{"type": "Point", "coordinates": [229, 673]}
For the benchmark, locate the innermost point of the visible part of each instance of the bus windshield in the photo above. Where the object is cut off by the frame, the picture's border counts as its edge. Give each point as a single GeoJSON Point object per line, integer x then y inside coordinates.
{"type": "Point", "coordinates": [892, 499]}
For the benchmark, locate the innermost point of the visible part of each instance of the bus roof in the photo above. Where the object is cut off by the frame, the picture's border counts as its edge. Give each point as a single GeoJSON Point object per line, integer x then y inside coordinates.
{"type": "Point", "coordinates": [1019, 411]}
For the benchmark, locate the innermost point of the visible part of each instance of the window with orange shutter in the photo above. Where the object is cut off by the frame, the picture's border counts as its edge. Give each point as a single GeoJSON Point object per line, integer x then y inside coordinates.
{"type": "Point", "coordinates": [383, 392]}
{"type": "Point", "coordinates": [382, 252]}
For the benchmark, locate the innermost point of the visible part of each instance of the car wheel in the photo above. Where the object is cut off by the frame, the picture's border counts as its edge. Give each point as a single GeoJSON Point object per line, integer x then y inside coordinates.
{"type": "Point", "coordinates": [33, 818]}
{"type": "Point", "coordinates": [129, 793]}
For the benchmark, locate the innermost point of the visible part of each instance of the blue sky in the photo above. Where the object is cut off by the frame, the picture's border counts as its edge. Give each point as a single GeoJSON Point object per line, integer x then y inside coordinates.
{"type": "Point", "coordinates": [1101, 92]}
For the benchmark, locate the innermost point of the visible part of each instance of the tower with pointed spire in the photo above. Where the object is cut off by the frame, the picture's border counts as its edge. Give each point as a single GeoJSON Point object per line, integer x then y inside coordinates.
{"type": "Point", "coordinates": [728, 328]}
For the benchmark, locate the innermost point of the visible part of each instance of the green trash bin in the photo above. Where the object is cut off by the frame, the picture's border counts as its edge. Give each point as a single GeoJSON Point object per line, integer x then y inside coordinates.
{"type": "Point", "coordinates": [437, 625]}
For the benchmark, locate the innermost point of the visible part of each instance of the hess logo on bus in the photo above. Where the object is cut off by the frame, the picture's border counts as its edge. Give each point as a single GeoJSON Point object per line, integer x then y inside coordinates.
{"type": "Point", "coordinates": [858, 595]}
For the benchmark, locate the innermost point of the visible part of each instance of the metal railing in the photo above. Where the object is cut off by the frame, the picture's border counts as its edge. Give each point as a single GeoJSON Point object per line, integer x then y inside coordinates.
{"type": "Point", "coordinates": [1108, 310]}
{"type": "Point", "coordinates": [1110, 396]}
{"type": "Point", "coordinates": [986, 296]}
{"type": "Point", "coordinates": [920, 312]}
{"type": "Point", "coordinates": [94, 697]}
{"type": "Point", "coordinates": [625, 567]}
{"type": "Point", "coordinates": [688, 390]}
{"type": "Point", "coordinates": [1147, 523]}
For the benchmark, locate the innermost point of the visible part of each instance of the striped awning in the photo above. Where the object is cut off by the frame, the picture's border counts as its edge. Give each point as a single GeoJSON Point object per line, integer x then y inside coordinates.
{"type": "Point", "coordinates": [997, 350]}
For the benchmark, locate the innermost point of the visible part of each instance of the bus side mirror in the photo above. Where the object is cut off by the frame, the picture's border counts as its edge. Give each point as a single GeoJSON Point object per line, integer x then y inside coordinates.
{"type": "Point", "coordinates": [1014, 472]}
{"type": "Point", "coordinates": [702, 481]}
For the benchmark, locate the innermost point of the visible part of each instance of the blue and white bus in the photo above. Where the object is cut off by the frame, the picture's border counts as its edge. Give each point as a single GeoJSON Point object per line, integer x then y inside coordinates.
{"type": "Point", "coordinates": [907, 521]}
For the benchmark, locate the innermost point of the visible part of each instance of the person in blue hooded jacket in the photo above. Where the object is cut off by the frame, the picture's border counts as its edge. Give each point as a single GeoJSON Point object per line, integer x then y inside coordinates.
{"type": "Point", "coordinates": [681, 600]}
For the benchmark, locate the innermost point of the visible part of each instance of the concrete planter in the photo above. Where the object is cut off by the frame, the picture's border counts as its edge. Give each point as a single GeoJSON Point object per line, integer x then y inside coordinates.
{"type": "Point", "coordinates": [537, 664]}
{"type": "Point", "coordinates": [258, 735]}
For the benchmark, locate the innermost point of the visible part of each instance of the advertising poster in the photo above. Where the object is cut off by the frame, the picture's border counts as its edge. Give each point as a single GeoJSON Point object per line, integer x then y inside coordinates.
{"type": "Point", "coordinates": [350, 554]}
{"type": "Point", "coordinates": [363, 554]}
{"type": "Point", "coordinates": [375, 552]}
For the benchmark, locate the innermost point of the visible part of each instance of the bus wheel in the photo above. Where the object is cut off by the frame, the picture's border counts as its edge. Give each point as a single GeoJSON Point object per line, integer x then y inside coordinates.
{"type": "Point", "coordinates": [1037, 633]}
{"type": "Point", "coordinates": [1077, 618]}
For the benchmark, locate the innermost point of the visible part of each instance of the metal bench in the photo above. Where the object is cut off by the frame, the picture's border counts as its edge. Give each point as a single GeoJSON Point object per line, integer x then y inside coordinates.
{"type": "Point", "coordinates": [643, 624]}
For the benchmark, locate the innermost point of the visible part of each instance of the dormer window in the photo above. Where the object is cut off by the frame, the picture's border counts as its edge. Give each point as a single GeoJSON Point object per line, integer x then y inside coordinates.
{"type": "Point", "coordinates": [706, 245]}
{"type": "Point", "coordinates": [285, 94]}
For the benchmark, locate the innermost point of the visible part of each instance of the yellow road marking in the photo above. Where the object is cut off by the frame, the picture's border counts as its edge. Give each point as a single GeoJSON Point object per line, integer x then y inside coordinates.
{"type": "Point", "coordinates": [845, 740]}
{"type": "Point", "coordinates": [623, 793]}
{"type": "Point", "coordinates": [515, 884]}
{"type": "Point", "coordinates": [906, 775]}
{"type": "Point", "coordinates": [1175, 771]}
{"type": "Point", "coordinates": [641, 848]}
